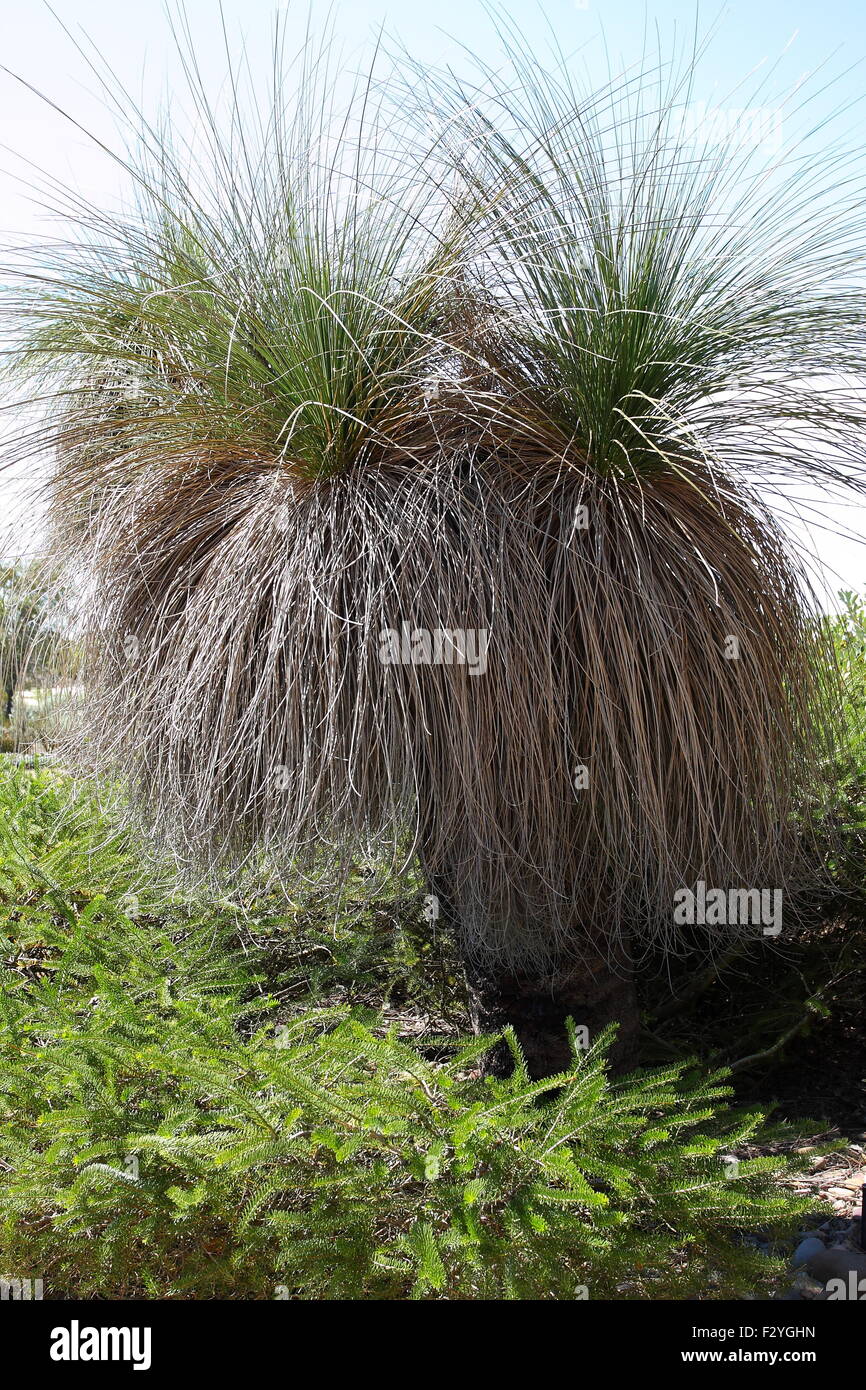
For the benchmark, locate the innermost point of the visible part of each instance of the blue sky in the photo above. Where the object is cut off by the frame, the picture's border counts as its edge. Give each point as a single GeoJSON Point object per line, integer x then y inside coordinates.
{"type": "Point", "coordinates": [784, 41]}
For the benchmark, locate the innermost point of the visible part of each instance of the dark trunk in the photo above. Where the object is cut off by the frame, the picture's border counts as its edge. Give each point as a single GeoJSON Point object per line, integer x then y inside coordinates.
{"type": "Point", "coordinates": [537, 1006]}
{"type": "Point", "coordinates": [9, 699]}
{"type": "Point", "coordinates": [592, 991]}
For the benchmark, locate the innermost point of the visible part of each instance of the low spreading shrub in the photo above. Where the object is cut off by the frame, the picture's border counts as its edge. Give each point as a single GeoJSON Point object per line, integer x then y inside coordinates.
{"type": "Point", "coordinates": [175, 1122]}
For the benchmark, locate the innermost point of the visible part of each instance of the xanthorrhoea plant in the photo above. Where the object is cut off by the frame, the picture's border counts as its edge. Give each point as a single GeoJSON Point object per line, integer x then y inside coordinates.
{"type": "Point", "coordinates": [436, 529]}
{"type": "Point", "coordinates": [236, 374]}
{"type": "Point", "coordinates": [672, 328]}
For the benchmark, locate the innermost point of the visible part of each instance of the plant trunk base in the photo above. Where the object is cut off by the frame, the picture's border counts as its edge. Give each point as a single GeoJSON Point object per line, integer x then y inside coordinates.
{"type": "Point", "coordinates": [537, 1006]}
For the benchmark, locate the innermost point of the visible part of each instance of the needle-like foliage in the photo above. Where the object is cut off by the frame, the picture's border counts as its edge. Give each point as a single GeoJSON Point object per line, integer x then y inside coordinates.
{"type": "Point", "coordinates": [169, 1131]}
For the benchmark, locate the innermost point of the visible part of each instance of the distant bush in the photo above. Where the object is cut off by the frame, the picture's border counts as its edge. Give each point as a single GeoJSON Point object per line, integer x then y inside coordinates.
{"type": "Point", "coordinates": [844, 815]}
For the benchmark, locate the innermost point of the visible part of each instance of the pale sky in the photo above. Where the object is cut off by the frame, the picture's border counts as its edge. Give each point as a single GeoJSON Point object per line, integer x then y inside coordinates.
{"type": "Point", "coordinates": [135, 40]}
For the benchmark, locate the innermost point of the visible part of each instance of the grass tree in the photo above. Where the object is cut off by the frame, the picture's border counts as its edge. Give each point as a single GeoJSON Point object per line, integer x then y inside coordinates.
{"type": "Point", "coordinates": [666, 339]}
{"type": "Point", "coordinates": [422, 495]}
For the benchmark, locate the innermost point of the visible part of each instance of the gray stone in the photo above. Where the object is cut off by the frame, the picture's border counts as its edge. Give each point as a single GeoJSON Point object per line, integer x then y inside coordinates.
{"type": "Point", "coordinates": [836, 1264]}
{"type": "Point", "coordinates": [806, 1249]}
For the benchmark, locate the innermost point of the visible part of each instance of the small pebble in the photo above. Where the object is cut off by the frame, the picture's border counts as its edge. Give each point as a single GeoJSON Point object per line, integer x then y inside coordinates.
{"type": "Point", "coordinates": [809, 1287]}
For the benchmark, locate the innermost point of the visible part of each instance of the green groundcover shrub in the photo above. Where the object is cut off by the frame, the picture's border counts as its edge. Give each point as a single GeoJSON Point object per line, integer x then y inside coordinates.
{"type": "Point", "coordinates": [174, 1123]}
